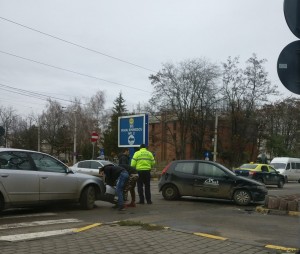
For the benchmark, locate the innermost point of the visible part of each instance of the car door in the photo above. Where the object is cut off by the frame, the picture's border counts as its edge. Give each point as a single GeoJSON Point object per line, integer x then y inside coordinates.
{"type": "Point", "coordinates": [211, 181]}
{"type": "Point", "coordinates": [55, 183]}
{"type": "Point", "coordinates": [183, 177]}
{"type": "Point", "coordinates": [272, 176]}
{"type": "Point", "coordinates": [18, 177]}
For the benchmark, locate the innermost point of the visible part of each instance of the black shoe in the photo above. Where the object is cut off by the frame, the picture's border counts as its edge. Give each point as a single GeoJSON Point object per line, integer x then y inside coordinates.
{"type": "Point", "coordinates": [149, 202]}
{"type": "Point", "coordinates": [140, 203]}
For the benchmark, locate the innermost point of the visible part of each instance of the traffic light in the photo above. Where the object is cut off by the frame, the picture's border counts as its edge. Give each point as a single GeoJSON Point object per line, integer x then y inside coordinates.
{"type": "Point", "coordinates": [288, 64]}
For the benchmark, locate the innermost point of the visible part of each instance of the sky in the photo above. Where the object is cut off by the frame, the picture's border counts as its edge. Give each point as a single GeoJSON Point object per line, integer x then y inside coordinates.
{"type": "Point", "coordinates": [66, 49]}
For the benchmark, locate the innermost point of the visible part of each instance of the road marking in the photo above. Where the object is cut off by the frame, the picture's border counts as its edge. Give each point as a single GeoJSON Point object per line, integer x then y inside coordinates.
{"type": "Point", "coordinates": [29, 215]}
{"type": "Point", "coordinates": [280, 248]}
{"type": "Point", "coordinates": [77, 230]}
{"type": "Point", "coordinates": [38, 223]}
{"type": "Point", "coordinates": [28, 236]}
{"type": "Point", "coordinates": [211, 236]}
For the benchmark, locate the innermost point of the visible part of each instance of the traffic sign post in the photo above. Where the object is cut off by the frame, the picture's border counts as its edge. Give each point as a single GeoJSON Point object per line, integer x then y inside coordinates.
{"type": "Point", "coordinates": [288, 64]}
{"type": "Point", "coordinates": [94, 138]}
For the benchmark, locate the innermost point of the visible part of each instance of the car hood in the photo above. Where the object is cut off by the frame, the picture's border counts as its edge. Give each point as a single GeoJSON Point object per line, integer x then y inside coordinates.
{"type": "Point", "coordinates": [249, 180]}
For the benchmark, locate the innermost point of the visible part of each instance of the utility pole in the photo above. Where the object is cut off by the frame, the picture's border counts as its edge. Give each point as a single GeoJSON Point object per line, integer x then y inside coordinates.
{"type": "Point", "coordinates": [39, 135]}
{"type": "Point", "coordinates": [215, 138]}
{"type": "Point", "coordinates": [75, 137]}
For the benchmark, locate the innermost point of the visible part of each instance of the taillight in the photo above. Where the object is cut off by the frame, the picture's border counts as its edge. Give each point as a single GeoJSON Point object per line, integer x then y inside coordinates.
{"type": "Point", "coordinates": [164, 171]}
{"type": "Point", "coordinates": [252, 173]}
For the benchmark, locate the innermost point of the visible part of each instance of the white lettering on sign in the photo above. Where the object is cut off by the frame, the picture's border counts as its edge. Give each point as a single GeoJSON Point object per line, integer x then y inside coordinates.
{"type": "Point", "coordinates": [135, 129]}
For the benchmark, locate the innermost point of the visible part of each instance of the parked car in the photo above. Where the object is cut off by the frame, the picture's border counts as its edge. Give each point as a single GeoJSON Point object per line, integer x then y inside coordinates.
{"type": "Point", "coordinates": [90, 167]}
{"type": "Point", "coordinates": [261, 172]}
{"type": "Point", "coordinates": [32, 178]}
{"type": "Point", "coordinates": [209, 180]}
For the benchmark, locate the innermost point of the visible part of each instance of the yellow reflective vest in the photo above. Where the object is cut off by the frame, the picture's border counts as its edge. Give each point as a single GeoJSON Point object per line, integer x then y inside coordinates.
{"type": "Point", "coordinates": [143, 160]}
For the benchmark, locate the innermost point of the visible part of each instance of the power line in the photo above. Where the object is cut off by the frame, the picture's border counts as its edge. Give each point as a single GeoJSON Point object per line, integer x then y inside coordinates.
{"type": "Point", "coordinates": [29, 93]}
{"type": "Point", "coordinates": [74, 72]}
{"type": "Point", "coordinates": [77, 45]}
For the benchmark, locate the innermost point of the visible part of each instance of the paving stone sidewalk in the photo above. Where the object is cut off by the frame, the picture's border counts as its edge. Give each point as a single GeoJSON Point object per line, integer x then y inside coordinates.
{"type": "Point", "coordinates": [113, 238]}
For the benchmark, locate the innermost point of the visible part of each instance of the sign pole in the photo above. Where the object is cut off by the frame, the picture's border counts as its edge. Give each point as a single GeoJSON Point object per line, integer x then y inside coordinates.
{"type": "Point", "coordinates": [93, 150]}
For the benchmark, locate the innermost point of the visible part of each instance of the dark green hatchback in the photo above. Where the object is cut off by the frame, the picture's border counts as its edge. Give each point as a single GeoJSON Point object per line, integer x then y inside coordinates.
{"type": "Point", "coordinates": [208, 179]}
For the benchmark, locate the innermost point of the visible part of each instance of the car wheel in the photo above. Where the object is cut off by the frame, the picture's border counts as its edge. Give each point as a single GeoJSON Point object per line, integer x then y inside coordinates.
{"type": "Point", "coordinates": [299, 181]}
{"type": "Point", "coordinates": [280, 183]}
{"type": "Point", "coordinates": [242, 197]}
{"type": "Point", "coordinates": [170, 192]}
{"type": "Point", "coordinates": [88, 197]}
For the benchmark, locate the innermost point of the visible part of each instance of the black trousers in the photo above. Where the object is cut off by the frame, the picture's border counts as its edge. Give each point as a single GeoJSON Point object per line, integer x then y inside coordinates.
{"type": "Point", "coordinates": [144, 180]}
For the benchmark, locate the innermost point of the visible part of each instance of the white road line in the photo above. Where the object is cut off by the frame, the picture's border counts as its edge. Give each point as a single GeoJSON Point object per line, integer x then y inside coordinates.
{"type": "Point", "coordinates": [20, 237]}
{"type": "Point", "coordinates": [29, 215]}
{"type": "Point", "coordinates": [38, 223]}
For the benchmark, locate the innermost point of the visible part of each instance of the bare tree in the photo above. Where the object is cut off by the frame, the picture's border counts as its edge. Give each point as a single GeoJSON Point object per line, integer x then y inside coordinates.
{"type": "Point", "coordinates": [245, 91]}
{"type": "Point", "coordinates": [186, 92]}
{"type": "Point", "coordinates": [8, 120]}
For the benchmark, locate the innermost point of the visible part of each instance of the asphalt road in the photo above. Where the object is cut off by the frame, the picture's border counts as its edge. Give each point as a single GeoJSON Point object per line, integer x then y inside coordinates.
{"type": "Point", "coordinates": [221, 218]}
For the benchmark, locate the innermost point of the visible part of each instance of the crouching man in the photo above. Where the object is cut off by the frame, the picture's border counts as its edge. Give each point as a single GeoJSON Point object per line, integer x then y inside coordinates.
{"type": "Point", "coordinates": [116, 176]}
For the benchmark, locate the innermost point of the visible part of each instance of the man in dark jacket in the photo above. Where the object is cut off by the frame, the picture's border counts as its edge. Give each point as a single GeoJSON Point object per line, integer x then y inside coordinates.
{"type": "Point", "coordinates": [116, 176]}
{"type": "Point", "coordinates": [124, 157]}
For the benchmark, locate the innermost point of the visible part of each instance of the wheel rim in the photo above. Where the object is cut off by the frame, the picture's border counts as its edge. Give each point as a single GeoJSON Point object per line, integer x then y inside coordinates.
{"type": "Point", "coordinates": [169, 192]}
{"type": "Point", "coordinates": [242, 197]}
{"type": "Point", "coordinates": [91, 196]}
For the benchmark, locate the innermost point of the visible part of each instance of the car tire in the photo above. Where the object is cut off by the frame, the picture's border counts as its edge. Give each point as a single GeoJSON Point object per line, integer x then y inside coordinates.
{"type": "Point", "coordinates": [299, 181]}
{"type": "Point", "coordinates": [242, 197]}
{"type": "Point", "coordinates": [170, 192]}
{"type": "Point", "coordinates": [88, 197]}
{"type": "Point", "coordinates": [280, 183]}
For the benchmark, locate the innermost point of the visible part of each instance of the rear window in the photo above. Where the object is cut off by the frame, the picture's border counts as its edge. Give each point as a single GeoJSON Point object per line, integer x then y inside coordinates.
{"type": "Point", "coordinates": [185, 167]}
{"type": "Point", "coordinates": [249, 166]}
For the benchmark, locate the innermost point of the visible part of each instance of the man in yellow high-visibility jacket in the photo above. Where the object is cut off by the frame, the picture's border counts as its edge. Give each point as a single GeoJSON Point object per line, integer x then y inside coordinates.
{"type": "Point", "coordinates": [143, 161]}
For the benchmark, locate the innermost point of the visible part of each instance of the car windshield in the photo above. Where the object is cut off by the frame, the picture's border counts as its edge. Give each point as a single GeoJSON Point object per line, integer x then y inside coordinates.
{"type": "Point", "coordinates": [278, 165]}
{"type": "Point", "coordinates": [249, 166]}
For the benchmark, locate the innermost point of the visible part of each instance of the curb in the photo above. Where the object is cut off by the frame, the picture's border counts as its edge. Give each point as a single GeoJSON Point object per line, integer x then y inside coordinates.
{"type": "Point", "coordinates": [261, 209]}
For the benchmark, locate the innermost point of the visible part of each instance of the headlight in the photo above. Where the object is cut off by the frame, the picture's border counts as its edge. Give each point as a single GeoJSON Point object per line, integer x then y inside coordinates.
{"type": "Point", "coordinates": [261, 187]}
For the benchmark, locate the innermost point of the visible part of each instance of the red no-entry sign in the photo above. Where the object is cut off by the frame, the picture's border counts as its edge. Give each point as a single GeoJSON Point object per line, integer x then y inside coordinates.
{"type": "Point", "coordinates": [94, 137]}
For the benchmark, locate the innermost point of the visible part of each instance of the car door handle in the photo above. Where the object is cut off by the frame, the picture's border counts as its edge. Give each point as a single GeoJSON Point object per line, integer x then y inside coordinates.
{"type": "Point", "coordinates": [4, 175]}
{"type": "Point", "coordinates": [44, 177]}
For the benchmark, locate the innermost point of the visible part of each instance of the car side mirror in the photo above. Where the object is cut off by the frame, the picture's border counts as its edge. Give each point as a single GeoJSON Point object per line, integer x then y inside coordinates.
{"type": "Point", "coordinates": [69, 171]}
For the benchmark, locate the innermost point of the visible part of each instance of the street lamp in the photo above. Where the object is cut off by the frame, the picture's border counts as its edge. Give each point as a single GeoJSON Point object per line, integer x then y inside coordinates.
{"type": "Point", "coordinates": [215, 138]}
{"type": "Point", "coordinates": [75, 137]}
{"type": "Point", "coordinates": [39, 134]}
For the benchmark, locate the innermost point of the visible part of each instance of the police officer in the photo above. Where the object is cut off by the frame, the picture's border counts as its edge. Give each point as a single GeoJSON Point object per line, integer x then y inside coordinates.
{"type": "Point", "coordinates": [143, 161]}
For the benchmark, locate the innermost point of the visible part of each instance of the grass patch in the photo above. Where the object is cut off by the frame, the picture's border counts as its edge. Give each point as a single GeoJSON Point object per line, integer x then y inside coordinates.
{"type": "Point", "coordinates": [145, 226]}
